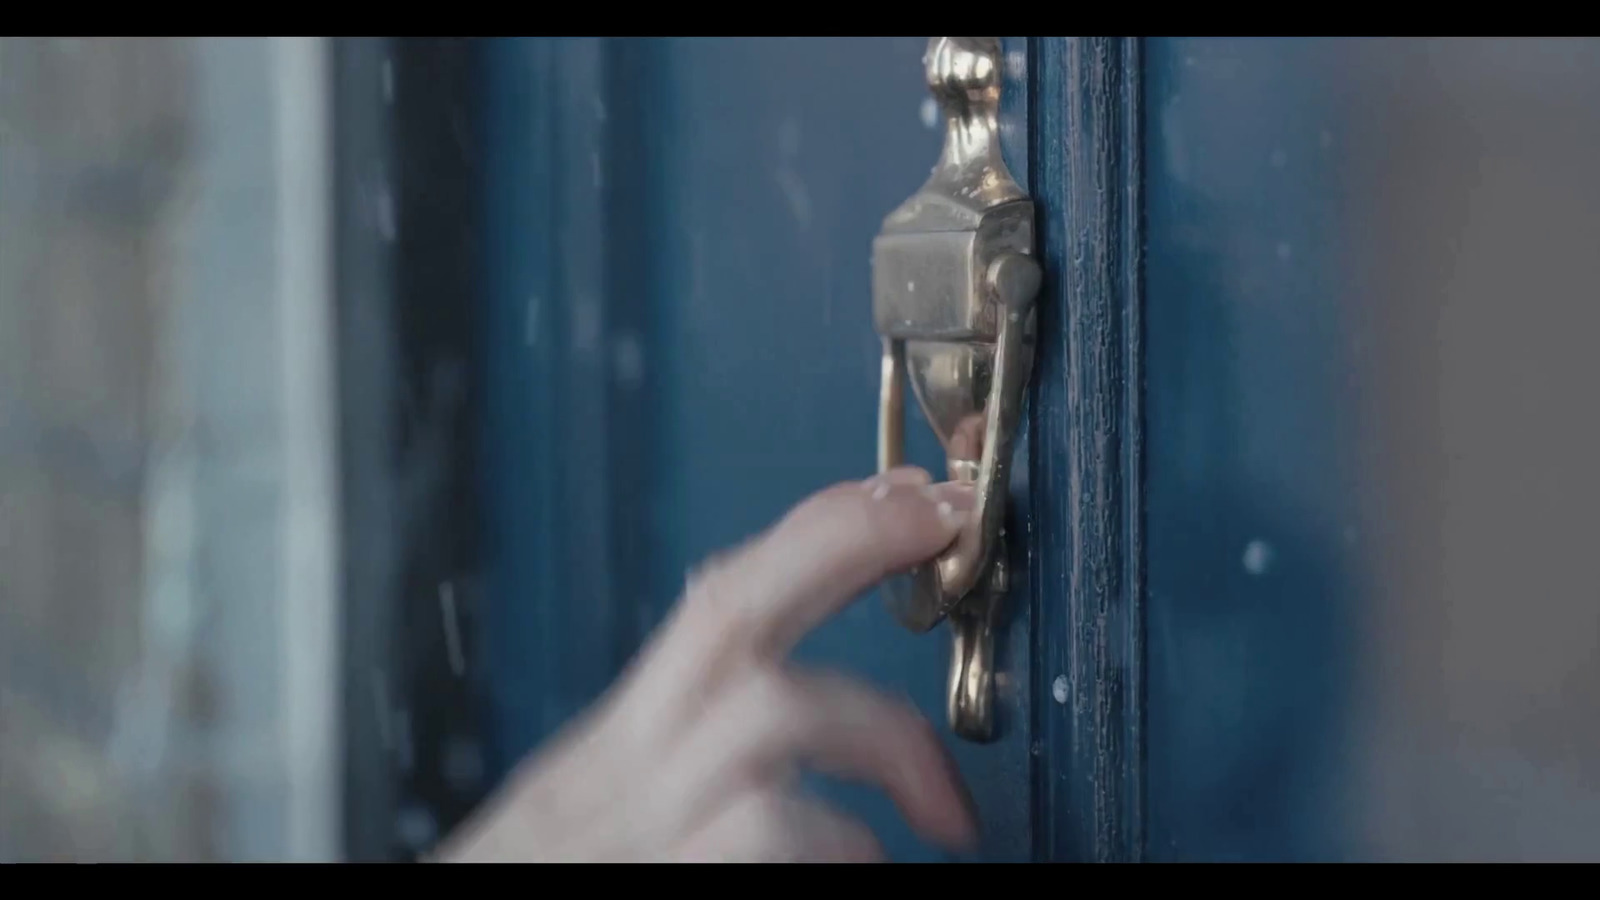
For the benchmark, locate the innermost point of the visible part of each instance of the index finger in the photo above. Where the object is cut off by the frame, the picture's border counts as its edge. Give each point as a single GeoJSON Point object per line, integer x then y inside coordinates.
{"type": "Point", "coordinates": [826, 551]}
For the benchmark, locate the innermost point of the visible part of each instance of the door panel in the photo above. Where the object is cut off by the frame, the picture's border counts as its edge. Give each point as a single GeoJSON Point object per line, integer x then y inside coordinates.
{"type": "Point", "coordinates": [1372, 616]}
{"type": "Point", "coordinates": [683, 285]}
{"type": "Point", "coordinates": [777, 160]}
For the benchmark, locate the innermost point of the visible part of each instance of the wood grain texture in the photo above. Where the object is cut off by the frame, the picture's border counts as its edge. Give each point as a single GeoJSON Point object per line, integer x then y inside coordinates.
{"type": "Point", "coordinates": [1085, 539]}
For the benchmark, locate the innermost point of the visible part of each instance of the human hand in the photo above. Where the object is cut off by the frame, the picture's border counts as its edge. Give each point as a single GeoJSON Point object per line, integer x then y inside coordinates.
{"type": "Point", "coordinates": [692, 755]}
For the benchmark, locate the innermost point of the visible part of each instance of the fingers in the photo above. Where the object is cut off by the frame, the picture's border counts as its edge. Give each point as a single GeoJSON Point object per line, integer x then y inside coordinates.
{"type": "Point", "coordinates": [825, 552]}
{"type": "Point", "coordinates": [777, 826]}
{"type": "Point", "coordinates": [837, 726]}
{"type": "Point", "coordinates": [729, 722]}
{"type": "Point", "coordinates": [863, 735]}
{"type": "Point", "coordinates": [756, 602]}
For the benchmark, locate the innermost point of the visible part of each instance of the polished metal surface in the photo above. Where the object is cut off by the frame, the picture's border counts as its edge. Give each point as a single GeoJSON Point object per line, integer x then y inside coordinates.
{"type": "Point", "coordinates": [953, 289]}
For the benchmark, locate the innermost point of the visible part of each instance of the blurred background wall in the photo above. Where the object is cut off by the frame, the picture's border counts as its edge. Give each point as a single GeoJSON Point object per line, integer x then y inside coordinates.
{"type": "Point", "coordinates": [168, 542]}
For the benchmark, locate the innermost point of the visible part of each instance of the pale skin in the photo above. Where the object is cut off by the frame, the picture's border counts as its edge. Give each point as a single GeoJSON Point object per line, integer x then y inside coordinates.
{"type": "Point", "coordinates": [692, 755]}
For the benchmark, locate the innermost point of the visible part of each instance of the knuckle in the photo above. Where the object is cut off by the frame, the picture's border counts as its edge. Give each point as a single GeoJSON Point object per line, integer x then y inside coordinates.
{"type": "Point", "coordinates": [769, 693]}
{"type": "Point", "coordinates": [841, 499]}
{"type": "Point", "coordinates": [711, 591]}
{"type": "Point", "coordinates": [703, 593]}
{"type": "Point", "coordinates": [768, 713]}
{"type": "Point", "coordinates": [848, 525]}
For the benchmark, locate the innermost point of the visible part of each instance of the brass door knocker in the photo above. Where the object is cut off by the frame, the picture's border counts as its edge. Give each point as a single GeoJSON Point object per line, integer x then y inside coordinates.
{"type": "Point", "coordinates": [953, 288]}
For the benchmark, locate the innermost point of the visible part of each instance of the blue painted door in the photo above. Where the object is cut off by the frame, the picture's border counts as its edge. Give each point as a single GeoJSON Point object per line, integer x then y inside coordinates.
{"type": "Point", "coordinates": [682, 347]}
{"type": "Point", "coordinates": [1306, 485]}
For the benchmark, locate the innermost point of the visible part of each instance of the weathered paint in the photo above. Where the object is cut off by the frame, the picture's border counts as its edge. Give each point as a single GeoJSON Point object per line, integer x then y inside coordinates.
{"type": "Point", "coordinates": [1086, 523]}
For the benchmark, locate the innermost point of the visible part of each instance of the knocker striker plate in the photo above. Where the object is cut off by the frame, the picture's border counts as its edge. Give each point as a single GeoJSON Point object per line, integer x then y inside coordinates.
{"type": "Point", "coordinates": [953, 285]}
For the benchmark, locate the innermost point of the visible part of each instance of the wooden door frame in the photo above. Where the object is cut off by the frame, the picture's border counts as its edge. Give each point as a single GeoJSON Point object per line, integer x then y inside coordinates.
{"type": "Point", "coordinates": [407, 233]}
{"type": "Point", "coordinates": [1086, 497]}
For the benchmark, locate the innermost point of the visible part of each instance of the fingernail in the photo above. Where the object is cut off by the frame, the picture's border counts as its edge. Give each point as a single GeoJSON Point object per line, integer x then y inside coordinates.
{"type": "Point", "coordinates": [878, 486]}
{"type": "Point", "coordinates": [953, 517]}
{"type": "Point", "coordinates": [953, 502]}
